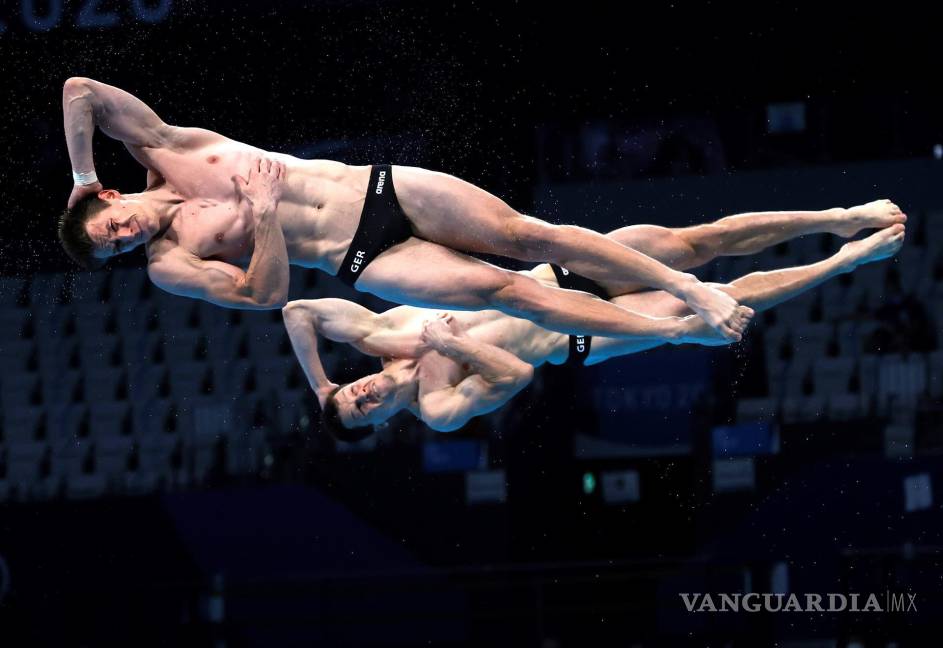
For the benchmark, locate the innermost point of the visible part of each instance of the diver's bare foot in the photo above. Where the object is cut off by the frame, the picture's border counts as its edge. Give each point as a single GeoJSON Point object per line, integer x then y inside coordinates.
{"type": "Point", "coordinates": [882, 244]}
{"type": "Point", "coordinates": [875, 214]}
{"type": "Point", "coordinates": [718, 309]}
{"type": "Point", "coordinates": [694, 330]}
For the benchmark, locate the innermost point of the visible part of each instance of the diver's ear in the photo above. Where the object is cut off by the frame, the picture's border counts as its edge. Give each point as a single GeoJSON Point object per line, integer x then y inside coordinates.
{"type": "Point", "coordinates": [109, 194]}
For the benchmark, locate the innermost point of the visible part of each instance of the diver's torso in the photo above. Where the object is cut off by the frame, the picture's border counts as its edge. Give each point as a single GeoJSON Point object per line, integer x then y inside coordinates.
{"type": "Point", "coordinates": [521, 337]}
{"type": "Point", "coordinates": [319, 208]}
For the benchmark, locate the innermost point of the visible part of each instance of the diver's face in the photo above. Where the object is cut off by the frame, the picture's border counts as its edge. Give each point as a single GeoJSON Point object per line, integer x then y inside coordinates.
{"type": "Point", "coordinates": [119, 228]}
{"type": "Point", "coordinates": [367, 401]}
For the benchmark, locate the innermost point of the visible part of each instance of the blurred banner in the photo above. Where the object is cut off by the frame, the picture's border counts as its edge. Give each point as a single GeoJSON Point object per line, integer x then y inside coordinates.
{"type": "Point", "coordinates": [49, 15]}
{"type": "Point", "coordinates": [645, 403]}
{"type": "Point", "coordinates": [57, 15]}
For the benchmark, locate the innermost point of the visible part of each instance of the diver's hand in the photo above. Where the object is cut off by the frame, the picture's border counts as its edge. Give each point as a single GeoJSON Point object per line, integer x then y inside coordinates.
{"type": "Point", "coordinates": [263, 188]}
{"type": "Point", "coordinates": [80, 191]}
{"type": "Point", "coordinates": [437, 333]}
{"type": "Point", "coordinates": [323, 392]}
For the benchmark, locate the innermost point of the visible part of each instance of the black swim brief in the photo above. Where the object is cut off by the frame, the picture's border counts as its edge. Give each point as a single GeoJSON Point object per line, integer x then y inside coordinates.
{"type": "Point", "coordinates": [579, 344]}
{"type": "Point", "coordinates": [382, 225]}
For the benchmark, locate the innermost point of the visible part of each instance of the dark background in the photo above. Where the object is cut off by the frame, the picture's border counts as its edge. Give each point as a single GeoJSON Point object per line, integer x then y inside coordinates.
{"type": "Point", "coordinates": [485, 91]}
{"type": "Point", "coordinates": [471, 84]}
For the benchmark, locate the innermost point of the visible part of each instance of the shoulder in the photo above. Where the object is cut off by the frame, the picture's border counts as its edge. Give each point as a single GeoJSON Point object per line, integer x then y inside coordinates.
{"type": "Point", "coordinates": [188, 138]}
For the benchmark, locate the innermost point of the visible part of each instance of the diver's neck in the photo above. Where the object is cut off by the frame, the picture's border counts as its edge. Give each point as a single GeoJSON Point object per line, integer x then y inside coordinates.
{"type": "Point", "coordinates": [408, 378]}
{"type": "Point", "coordinates": [161, 206]}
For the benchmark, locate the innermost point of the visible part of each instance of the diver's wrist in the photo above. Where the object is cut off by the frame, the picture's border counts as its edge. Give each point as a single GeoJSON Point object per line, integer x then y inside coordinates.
{"type": "Point", "coordinates": [83, 179]}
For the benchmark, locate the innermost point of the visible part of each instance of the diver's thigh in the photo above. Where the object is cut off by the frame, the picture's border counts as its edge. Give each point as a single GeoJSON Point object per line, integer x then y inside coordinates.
{"type": "Point", "coordinates": [424, 274]}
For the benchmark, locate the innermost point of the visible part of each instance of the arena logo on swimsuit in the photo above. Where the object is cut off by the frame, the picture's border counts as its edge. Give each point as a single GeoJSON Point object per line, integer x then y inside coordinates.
{"type": "Point", "coordinates": [381, 181]}
{"type": "Point", "coordinates": [580, 344]}
{"type": "Point", "coordinates": [358, 260]}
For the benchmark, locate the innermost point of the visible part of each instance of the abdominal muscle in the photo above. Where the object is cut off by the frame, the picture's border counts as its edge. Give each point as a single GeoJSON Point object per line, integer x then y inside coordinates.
{"type": "Point", "coordinates": [320, 210]}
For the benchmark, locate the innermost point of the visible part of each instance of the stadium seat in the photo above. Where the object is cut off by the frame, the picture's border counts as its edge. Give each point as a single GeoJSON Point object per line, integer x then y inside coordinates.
{"type": "Point", "coordinates": [13, 321]}
{"type": "Point", "coordinates": [97, 350]}
{"type": "Point", "coordinates": [140, 482]}
{"type": "Point", "coordinates": [23, 461]}
{"type": "Point", "coordinates": [935, 374]}
{"type": "Point", "coordinates": [833, 375]}
{"type": "Point", "coordinates": [803, 409]}
{"type": "Point", "coordinates": [845, 407]}
{"type": "Point", "coordinates": [103, 384]}
{"type": "Point", "coordinates": [110, 420]}
{"type": "Point", "coordinates": [18, 354]}
{"type": "Point", "coordinates": [273, 373]}
{"type": "Point", "coordinates": [833, 299]}
{"type": "Point", "coordinates": [86, 287]}
{"type": "Point", "coordinates": [810, 340]}
{"type": "Point", "coordinates": [10, 289]}
{"type": "Point", "coordinates": [934, 228]}
{"type": "Point", "coordinates": [234, 376]}
{"type": "Point", "coordinates": [795, 312]}
{"type": "Point", "coordinates": [902, 379]}
{"type": "Point", "coordinates": [212, 420]}
{"type": "Point", "coordinates": [68, 422]}
{"type": "Point", "coordinates": [23, 424]}
{"type": "Point", "coordinates": [86, 486]}
{"type": "Point", "coordinates": [245, 451]}
{"type": "Point", "coordinates": [45, 290]}
{"type": "Point", "coordinates": [155, 456]}
{"type": "Point", "coordinates": [90, 319]}
{"type": "Point", "coordinates": [111, 456]}
{"type": "Point", "coordinates": [126, 285]}
{"type": "Point", "coordinates": [19, 389]}
{"type": "Point", "coordinates": [265, 340]}
{"type": "Point", "coordinates": [183, 346]}
{"type": "Point", "coordinates": [756, 409]}
{"type": "Point", "coordinates": [191, 379]}
{"type": "Point", "coordinates": [797, 379]}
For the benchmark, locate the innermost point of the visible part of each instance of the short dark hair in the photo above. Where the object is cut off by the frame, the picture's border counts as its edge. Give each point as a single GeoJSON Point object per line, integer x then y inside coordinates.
{"type": "Point", "coordinates": [73, 235]}
{"type": "Point", "coordinates": [332, 423]}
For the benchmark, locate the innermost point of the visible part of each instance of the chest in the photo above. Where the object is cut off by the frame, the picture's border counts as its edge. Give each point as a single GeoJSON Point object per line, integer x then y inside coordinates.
{"type": "Point", "coordinates": [214, 230]}
{"type": "Point", "coordinates": [205, 172]}
{"type": "Point", "coordinates": [436, 371]}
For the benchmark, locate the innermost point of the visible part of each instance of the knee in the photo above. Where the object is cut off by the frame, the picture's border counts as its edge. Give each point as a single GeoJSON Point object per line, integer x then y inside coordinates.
{"type": "Point", "coordinates": [703, 241]}
{"type": "Point", "coordinates": [513, 294]}
{"type": "Point", "coordinates": [534, 239]}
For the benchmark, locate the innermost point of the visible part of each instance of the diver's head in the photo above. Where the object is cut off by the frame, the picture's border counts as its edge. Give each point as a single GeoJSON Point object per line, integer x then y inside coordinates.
{"type": "Point", "coordinates": [102, 225]}
{"type": "Point", "coordinates": [357, 406]}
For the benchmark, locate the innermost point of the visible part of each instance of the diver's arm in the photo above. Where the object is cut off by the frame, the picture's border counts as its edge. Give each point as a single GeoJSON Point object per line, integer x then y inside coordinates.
{"type": "Point", "coordinates": [446, 410]}
{"type": "Point", "coordinates": [120, 115]}
{"type": "Point", "coordinates": [264, 284]}
{"type": "Point", "coordinates": [87, 103]}
{"type": "Point", "coordinates": [303, 333]}
{"type": "Point", "coordinates": [344, 321]}
{"type": "Point", "coordinates": [497, 377]}
{"type": "Point", "coordinates": [492, 363]}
